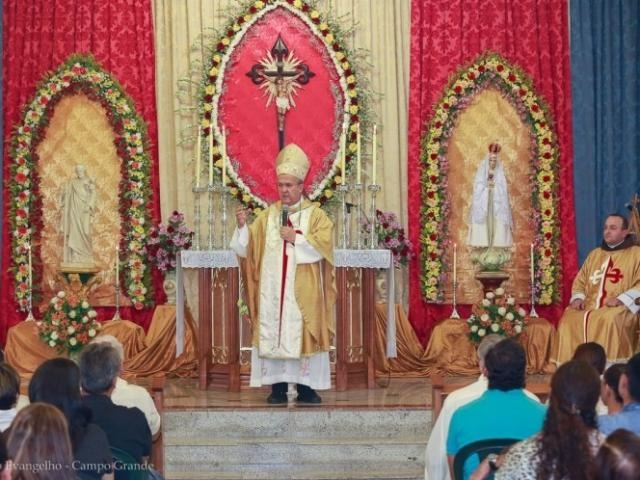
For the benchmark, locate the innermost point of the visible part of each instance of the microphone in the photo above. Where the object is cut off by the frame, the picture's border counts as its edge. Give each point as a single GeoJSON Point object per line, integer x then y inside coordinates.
{"type": "Point", "coordinates": [284, 215]}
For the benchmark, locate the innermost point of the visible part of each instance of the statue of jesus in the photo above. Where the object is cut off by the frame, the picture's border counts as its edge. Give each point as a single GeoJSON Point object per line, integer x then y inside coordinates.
{"type": "Point", "coordinates": [78, 199]}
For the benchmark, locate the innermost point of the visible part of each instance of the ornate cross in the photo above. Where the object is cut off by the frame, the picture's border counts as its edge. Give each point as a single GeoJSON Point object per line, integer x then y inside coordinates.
{"type": "Point", "coordinates": [280, 74]}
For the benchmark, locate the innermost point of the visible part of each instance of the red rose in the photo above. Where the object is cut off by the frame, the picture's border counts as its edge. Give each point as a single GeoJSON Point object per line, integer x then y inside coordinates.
{"type": "Point", "coordinates": [481, 68]}
{"type": "Point", "coordinates": [348, 72]}
{"type": "Point", "coordinates": [433, 255]}
{"type": "Point", "coordinates": [522, 92]}
{"type": "Point", "coordinates": [252, 9]}
{"type": "Point", "coordinates": [433, 237]}
{"type": "Point", "coordinates": [547, 155]}
{"type": "Point", "coordinates": [458, 89]}
{"type": "Point", "coordinates": [445, 106]}
{"type": "Point", "coordinates": [438, 124]}
{"type": "Point", "coordinates": [547, 253]}
{"type": "Point", "coordinates": [305, 7]}
{"type": "Point", "coordinates": [471, 75]}
{"type": "Point", "coordinates": [546, 178]}
{"type": "Point", "coordinates": [21, 213]}
{"type": "Point", "coordinates": [512, 77]}
{"type": "Point", "coordinates": [433, 179]}
{"type": "Point", "coordinates": [220, 47]}
{"type": "Point", "coordinates": [21, 177]}
{"type": "Point", "coordinates": [355, 118]}
{"type": "Point", "coordinates": [545, 141]}
{"type": "Point", "coordinates": [535, 108]}
{"type": "Point", "coordinates": [434, 156]}
{"type": "Point", "coordinates": [336, 47]}
{"type": "Point", "coordinates": [240, 20]}
{"type": "Point", "coordinates": [430, 194]}
{"type": "Point", "coordinates": [499, 67]}
{"type": "Point", "coordinates": [547, 212]}
{"type": "Point", "coordinates": [22, 231]}
{"type": "Point", "coordinates": [26, 129]}
{"type": "Point", "coordinates": [548, 235]}
{"type": "Point", "coordinates": [546, 194]}
{"type": "Point", "coordinates": [543, 124]}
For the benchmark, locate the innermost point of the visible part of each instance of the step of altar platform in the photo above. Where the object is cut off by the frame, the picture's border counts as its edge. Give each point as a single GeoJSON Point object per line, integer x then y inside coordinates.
{"type": "Point", "coordinates": [299, 443]}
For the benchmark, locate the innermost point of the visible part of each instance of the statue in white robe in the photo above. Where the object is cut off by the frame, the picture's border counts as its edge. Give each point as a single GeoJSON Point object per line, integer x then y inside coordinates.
{"type": "Point", "coordinates": [78, 201]}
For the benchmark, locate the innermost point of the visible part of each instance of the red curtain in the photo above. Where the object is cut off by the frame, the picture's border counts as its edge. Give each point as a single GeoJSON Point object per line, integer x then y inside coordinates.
{"type": "Point", "coordinates": [447, 34]}
{"type": "Point", "coordinates": [38, 35]}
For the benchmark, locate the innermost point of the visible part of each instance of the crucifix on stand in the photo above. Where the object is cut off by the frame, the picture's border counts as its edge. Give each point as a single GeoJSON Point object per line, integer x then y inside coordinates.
{"type": "Point", "coordinates": [280, 74]}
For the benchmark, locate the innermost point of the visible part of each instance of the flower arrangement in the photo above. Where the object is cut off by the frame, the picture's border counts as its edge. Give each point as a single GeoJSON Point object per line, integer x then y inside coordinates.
{"type": "Point", "coordinates": [391, 236]}
{"type": "Point", "coordinates": [355, 95]}
{"type": "Point", "coordinates": [81, 74]}
{"type": "Point", "coordinates": [490, 70]}
{"type": "Point", "coordinates": [69, 323]}
{"type": "Point", "coordinates": [167, 240]}
{"type": "Point", "coordinates": [496, 313]}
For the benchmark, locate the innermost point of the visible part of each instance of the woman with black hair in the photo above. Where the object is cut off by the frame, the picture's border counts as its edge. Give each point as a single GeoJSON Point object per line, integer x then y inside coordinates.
{"type": "Point", "coordinates": [57, 382]}
{"type": "Point", "coordinates": [610, 392]}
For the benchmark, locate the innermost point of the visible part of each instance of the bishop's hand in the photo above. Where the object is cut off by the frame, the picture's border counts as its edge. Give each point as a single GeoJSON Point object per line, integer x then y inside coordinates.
{"type": "Point", "coordinates": [288, 234]}
{"type": "Point", "coordinates": [578, 304]}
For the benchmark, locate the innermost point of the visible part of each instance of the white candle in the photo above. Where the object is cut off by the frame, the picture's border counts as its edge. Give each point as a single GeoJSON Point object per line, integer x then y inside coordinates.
{"type": "Point", "coordinates": [224, 158]}
{"type": "Point", "coordinates": [117, 265]}
{"type": "Point", "coordinates": [374, 154]}
{"type": "Point", "coordinates": [30, 268]}
{"type": "Point", "coordinates": [358, 156]}
{"type": "Point", "coordinates": [532, 268]}
{"type": "Point", "coordinates": [210, 155]}
{"type": "Point", "coordinates": [455, 264]}
{"type": "Point", "coordinates": [343, 154]}
{"type": "Point", "coordinates": [198, 156]}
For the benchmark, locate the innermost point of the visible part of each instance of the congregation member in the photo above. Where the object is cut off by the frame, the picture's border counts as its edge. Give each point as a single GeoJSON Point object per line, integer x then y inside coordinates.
{"type": "Point", "coordinates": [39, 437]}
{"type": "Point", "coordinates": [629, 387]}
{"type": "Point", "coordinates": [503, 411]}
{"type": "Point", "coordinates": [610, 393]}
{"type": "Point", "coordinates": [286, 256]}
{"type": "Point", "coordinates": [57, 382]}
{"type": "Point", "coordinates": [9, 392]}
{"type": "Point", "coordinates": [619, 457]}
{"type": "Point", "coordinates": [126, 428]}
{"type": "Point", "coordinates": [129, 395]}
{"type": "Point", "coordinates": [436, 466]}
{"type": "Point", "coordinates": [593, 353]}
{"type": "Point", "coordinates": [566, 447]}
{"type": "Point", "coordinates": [602, 307]}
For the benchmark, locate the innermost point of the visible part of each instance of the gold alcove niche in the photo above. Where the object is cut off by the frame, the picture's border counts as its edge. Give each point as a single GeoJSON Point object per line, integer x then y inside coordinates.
{"type": "Point", "coordinates": [79, 133]}
{"type": "Point", "coordinates": [490, 118]}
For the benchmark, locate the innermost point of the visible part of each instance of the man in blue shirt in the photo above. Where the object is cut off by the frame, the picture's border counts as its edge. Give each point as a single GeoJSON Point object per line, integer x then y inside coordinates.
{"type": "Point", "coordinates": [503, 411]}
{"type": "Point", "coordinates": [629, 388]}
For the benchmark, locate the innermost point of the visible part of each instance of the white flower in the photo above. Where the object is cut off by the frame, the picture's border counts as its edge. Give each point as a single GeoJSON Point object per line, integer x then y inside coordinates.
{"type": "Point", "coordinates": [502, 310]}
{"type": "Point", "coordinates": [92, 332]}
{"type": "Point", "coordinates": [511, 301]}
{"type": "Point", "coordinates": [72, 341]}
{"type": "Point", "coordinates": [54, 335]}
{"type": "Point", "coordinates": [92, 314]}
{"type": "Point", "coordinates": [85, 304]}
{"type": "Point", "coordinates": [490, 295]}
{"type": "Point", "coordinates": [57, 307]}
{"type": "Point", "coordinates": [484, 317]}
{"type": "Point", "coordinates": [518, 328]}
{"type": "Point", "coordinates": [73, 314]}
{"type": "Point", "coordinates": [61, 294]}
{"type": "Point", "coordinates": [52, 343]}
{"type": "Point", "coordinates": [499, 291]}
{"type": "Point", "coordinates": [482, 332]}
{"type": "Point", "coordinates": [495, 327]}
{"type": "Point", "coordinates": [85, 319]}
{"type": "Point", "coordinates": [485, 302]}
{"type": "Point", "coordinates": [509, 316]}
{"type": "Point", "coordinates": [71, 330]}
{"type": "Point", "coordinates": [474, 328]}
{"type": "Point", "coordinates": [521, 312]}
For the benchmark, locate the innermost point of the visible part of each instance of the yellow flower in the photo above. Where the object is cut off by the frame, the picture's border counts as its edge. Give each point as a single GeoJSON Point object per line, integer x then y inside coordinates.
{"type": "Point", "coordinates": [236, 27]}
{"type": "Point", "coordinates": [353, 93]}
{"type": "Point", "coordinates": [353, 109]}
{"type": "Point", "coordinates": [328, 193]}
{"type": "Point", "coordinates": [247, 17]}
{"type": "Point", "coordinates": [351, 79]}
{"type": "Point", "coordinates": [205, 123]}
{"type": "Point", "coordinates": [345, 65]}
{"type": "Point", "coordinates": [208, 107]}
{"type": "Point", "coordinates": [214, 151]}
{"type": "Point", "coordinates": [314, 14]}
{"type": "Point", "coordinates": [213, 72]}
{"type": "Point", "coordinates": [353, 147]}
{"type": "Point", "coordinates": [259, 4]}
{"type": "Point", "coordinates": [323, 26]}
{"type": "Point", "coordinates": [354, 127]}
{"type": "Point", "coordinates": [218, 163]}
{"type": "Point", "coordinates": [339, 56]}
{"type": "Point", "coordinates": [246, 198]}
{"type": "Point", "coordinates": [217, 58]}
{"type": "Point", "coordinates": [225, 41]}
{"type": "Point", "coordinates": [257, 210]}
{"type": "Point", "coordinates": [297, 3]}
{"type": "Point", "coordinates": [328, 39]}
{"type": "Point", "coordinates": [233, 191]}
{"type": "Point", "coordinates": [210, 89]}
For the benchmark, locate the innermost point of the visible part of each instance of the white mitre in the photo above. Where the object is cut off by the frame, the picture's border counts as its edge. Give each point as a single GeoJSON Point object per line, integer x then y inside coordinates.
{"type": "Point", "coordinates": [292, 161]}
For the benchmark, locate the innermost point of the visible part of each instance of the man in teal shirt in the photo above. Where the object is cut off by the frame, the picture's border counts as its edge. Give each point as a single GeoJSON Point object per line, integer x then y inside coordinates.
{"type": "Point", "coordinates": [503, 411]}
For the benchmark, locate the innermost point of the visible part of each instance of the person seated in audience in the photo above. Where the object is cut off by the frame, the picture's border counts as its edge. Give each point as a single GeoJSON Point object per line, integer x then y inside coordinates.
{"type": "Point", "coordinates": [610, 393]}
{"type": "Point", "coordinates": [9, 392]}
{"type": "Point", "coordinates": [39, 436]}
{"type": "Point", "coordinates": [5, 461]}
{"type": "Point", "coordinates": [129, 395]}
{"type": "Point", "coordinates": [602, 306]}
{"type": "Point", "coordinates": [567, 445]}
{"type": "Point", "coordinates": [503, 411]}
{"type": "Point", "coordinates": [57, 382]}
{"type": "Point", "coordinates": [126, 428]}
{"type": "Point", "coordinates": [593, 353]}
{"type": "Point", "coordinates": [629, 387]}
{"type": "Point", "coordinates": [619, 457]}
{"type": "Point", "coordinates": [436, 466]}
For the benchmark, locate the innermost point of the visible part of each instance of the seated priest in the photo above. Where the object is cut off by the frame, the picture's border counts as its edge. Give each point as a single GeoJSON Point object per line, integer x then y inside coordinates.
{"type": "Point", "coordinates": [603, 305]}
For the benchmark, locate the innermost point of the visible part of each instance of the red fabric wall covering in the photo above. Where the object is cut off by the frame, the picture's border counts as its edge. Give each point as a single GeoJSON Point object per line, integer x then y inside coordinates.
{"type": "Point", "coordinates": [38, 35]}
{"type": "Point", "coordinates": [445, 35]}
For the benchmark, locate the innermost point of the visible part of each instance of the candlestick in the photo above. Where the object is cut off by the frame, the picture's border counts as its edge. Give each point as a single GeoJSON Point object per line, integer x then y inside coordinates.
{"type": "Point", "coordinates": [343, 154]}
{"type": "Point", "coordinates": [224, 158]}
{"type": "Point", "coordinates": [455, 263]}
{"type": "Point", "coordinates": [30, 317]}
{"type": "Point", "coordinates": [116, 315]}
{"type": "Point", "coordinates": [533, 313]}
{"type": "Point", "coordinates": [117, 264]}
{"type": "Point", "coordinates": [374, 155]}
{"type": "Point", "coordinates": [198, 156]}
{"type": "Point", "coordinates": [358, 156]}
{"type": "Point", "coordinates": [210, 156]}
{"type": "Point", "coordinates": [532, 268]}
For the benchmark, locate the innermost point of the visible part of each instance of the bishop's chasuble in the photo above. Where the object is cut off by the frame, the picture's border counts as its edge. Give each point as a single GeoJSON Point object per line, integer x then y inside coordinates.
{"type": "Point", "coordinates": [606, 273]}
{"type": "Point", "coordinates": [291, 295]}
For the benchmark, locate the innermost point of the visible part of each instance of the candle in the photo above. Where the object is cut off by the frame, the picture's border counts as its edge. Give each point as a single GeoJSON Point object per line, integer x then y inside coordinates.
{"type": "Point", "coordinates": [455, 264]}
{"type": "Point", "coordinates": [210, 156]}
{"type": "Point", "coordinates": [198, 156]}
{"type": "Point", "coordinates": [30, 268]}
{"type": "Point", "coordinates": [374, 154]}
{"type": "Point", "coordinates": [532, 268]}
{"type": "Point", "coordinates": [358, 177]}
{"type": "Point", "coordinates": [117, 265]}
{"type": "Point", "coordinates": [343, 154]}
{"type": "Point", "coordinates": [224, 158]}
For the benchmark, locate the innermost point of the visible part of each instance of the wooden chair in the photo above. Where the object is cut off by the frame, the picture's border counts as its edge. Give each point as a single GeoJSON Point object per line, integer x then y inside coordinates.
{"type": "Point", "coordinates": [156, 388]}
{"type": "Point", "coordinates": [440, 390]}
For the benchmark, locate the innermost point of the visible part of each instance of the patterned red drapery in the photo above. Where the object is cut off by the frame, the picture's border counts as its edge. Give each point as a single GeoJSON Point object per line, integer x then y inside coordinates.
{"type": "Point", "coordinates": [446, 34]}
{"type": "Point", "coordinates": [38, 36]}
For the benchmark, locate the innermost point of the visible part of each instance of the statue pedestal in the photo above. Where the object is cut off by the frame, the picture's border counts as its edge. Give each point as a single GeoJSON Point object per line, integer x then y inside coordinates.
{"type": "Point", "coordinates": [491, 280]}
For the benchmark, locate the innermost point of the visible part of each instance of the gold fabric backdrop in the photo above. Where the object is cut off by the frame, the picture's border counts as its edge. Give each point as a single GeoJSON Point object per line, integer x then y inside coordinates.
{"type": "Point", "coordinates": [490, 118]}
{"type": "Point", "coordinates": [80, 133]}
